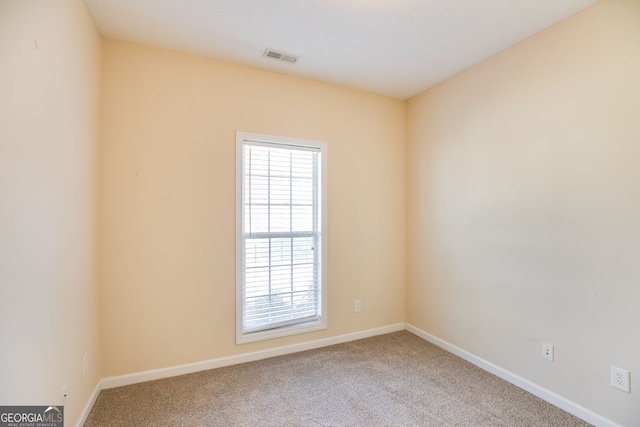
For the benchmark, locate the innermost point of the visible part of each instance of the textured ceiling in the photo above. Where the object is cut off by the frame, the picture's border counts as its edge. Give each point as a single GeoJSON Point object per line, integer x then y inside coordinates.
{"type": "Point", "coordinates": [390, 47]}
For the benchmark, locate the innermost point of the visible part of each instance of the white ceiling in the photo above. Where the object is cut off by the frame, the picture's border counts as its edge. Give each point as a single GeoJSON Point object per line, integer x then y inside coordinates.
{"type": "Point", "coordinates": [391, 47]}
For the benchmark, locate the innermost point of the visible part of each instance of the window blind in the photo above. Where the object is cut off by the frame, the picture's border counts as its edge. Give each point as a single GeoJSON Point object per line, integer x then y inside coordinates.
{"type": "Point", "coordinates": [280, 235]}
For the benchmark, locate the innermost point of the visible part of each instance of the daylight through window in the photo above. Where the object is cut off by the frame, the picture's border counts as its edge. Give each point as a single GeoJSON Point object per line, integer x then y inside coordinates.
{"type": "Point", "coordinates": [281, 236]}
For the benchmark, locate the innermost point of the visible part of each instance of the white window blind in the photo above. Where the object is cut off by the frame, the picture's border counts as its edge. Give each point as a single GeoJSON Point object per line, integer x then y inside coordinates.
{"type": "Point", "coordinates": [280, 235]}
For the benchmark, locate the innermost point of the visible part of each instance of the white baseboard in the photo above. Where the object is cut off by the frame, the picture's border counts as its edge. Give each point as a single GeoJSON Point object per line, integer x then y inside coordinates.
{"type": "Point", "coordinates": [547, 395]}
{"type": "Point", "coordinates": [89, 406]}
{"type": "Point", "coordinates": [173, 371]}
{"type": "Point", "coordinates": [541, 392]}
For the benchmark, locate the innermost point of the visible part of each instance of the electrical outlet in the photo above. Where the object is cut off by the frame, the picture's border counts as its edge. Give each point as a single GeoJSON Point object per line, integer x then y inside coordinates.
{"type": "Point", "coordinates": [547, 351]}
{"type": "Point", "coordinates": [84, 364]}
{"type": "Point", "coordinates": [620, 379]}
{"type": "Point", "coordinates": [357, 305]}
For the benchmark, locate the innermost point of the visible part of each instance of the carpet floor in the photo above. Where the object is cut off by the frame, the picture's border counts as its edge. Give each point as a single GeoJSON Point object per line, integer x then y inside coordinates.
{"type": "Point", "coordinates": [396, 379]}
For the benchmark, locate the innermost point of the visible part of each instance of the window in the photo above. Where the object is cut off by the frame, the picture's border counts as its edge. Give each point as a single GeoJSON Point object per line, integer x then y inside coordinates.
{"type": "Point", "coordinates": [281, 236]}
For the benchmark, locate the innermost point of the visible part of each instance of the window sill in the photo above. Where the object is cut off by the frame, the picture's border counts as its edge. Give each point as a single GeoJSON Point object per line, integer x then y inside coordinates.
{"type": "Point", "coordinates": [316, 325]}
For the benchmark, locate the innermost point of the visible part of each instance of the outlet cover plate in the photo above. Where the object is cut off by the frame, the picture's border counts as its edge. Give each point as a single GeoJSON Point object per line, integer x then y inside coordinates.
{"type": "Point", "coordinates": [547, 351]}
{"type": "Point", "coordinates": [620, 379]}
{"type": "Point", "coordinates": [357, 306]}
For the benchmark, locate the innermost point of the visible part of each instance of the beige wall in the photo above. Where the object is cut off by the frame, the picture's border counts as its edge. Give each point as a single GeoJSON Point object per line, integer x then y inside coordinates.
{"type": "Point", "coordinates": [49, 114]}
{"type": "Point", "coordinates": [167, 222]}
{"type": "Point", "coordinates": [523, 203]}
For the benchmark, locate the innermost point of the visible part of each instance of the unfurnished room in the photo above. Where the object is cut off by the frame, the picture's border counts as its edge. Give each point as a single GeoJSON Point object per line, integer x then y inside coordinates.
{"type": "Point", "coordinates": [320, 212]}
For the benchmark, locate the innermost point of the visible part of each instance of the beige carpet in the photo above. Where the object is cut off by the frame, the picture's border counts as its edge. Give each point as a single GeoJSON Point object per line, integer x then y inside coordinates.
{"type": "Point", "coordinates": [396, 379]}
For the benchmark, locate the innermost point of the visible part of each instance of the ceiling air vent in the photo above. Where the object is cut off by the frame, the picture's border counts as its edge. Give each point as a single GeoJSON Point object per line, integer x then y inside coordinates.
{"type": "Point", "coordinates": [280, 56]}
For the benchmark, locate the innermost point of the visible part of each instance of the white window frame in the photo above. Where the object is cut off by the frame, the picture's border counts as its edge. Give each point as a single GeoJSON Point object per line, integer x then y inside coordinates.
{"type": "Point", "coordinates": [247, 138]}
